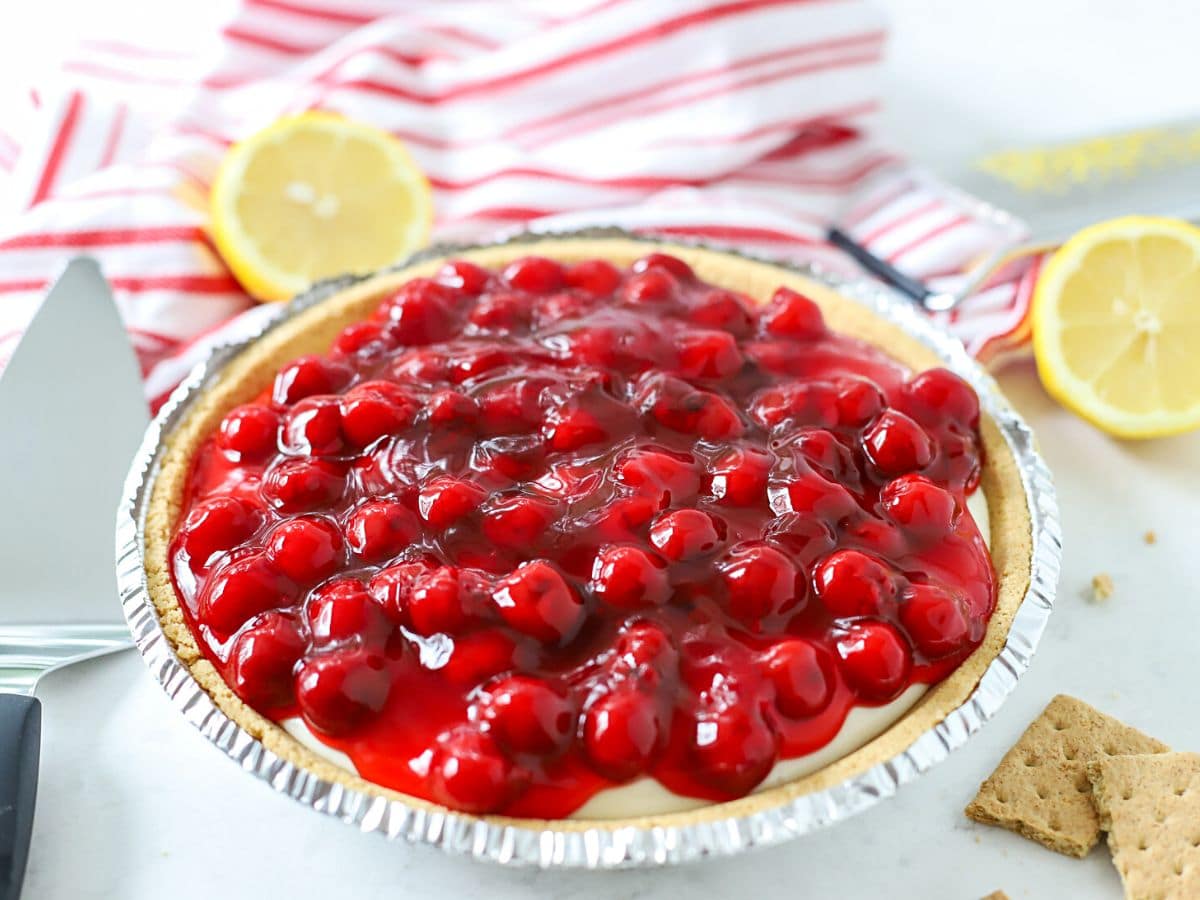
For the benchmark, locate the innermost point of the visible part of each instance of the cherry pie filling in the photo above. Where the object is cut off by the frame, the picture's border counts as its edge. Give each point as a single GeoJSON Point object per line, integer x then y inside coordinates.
{"type": "Point", "coordinates": [524, 535]}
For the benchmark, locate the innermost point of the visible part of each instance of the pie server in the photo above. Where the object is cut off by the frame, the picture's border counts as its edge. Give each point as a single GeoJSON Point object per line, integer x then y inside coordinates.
{"type": "Point", "coordinates": [72, 412]}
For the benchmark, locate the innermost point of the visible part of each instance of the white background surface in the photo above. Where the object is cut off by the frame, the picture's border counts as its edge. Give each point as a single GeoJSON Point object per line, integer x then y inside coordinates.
{"type": "Point", "coordinates": [135, 804]}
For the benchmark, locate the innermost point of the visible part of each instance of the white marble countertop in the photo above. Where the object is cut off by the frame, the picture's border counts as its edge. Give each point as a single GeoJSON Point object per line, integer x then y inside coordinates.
{"type": "Point", "coordinates": [135, 804]}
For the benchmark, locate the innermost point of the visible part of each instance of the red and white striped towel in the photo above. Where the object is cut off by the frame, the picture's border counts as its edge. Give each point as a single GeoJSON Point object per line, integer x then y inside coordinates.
{"type": "Point", "coordinates": [740, 122]}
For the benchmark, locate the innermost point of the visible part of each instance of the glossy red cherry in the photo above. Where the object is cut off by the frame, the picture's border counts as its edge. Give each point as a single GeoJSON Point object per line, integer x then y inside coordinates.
{"type": "Point", "coordinates": [361, 337]}
{"type": "Point", "coordinates": [811, 494]}
{"type": "Point", "coordinates": [628, 577]}
{"type": "Point", "coordinates": [314, 426]}
{"type": "Point", "coordinates": [376, 409]}
{"type": "Point", "coordinates": [738, 477]}
{"type": "Point", "coordinates": [536, 600]}
{"type": "Point", "coordinates": [518, 522]}
{"type": "Point", "coordinates": [338, 691]}
{"type": "Point", "coordinates": [938, 395]}
{"type": "Point", "coordinates": [343, 610]}
{"type": "Point", "coordinates": [586, 419]}
{"type": "Point", "coordinates": [896, 444]}
{"type": "Point", "coordinates": [644, 643]}
{"type": "Point", "coordinates": [622, 733]}
{"type": "Point", "coordinates": [686, 534]}
{"type": "Point", "coordinates": [759, 581]}
{"type": "Point", "coordinates": [511, 407]}
{"type": "Point", "coordinates": [479, 655]}
{"type": "Point", "coordinates": [392, 587]}
{"type": "Point", "coordinates": [708, 354]}
{"type": "Point", "coordinates": [793, 315]}
{"type": "Point", "coordinates": [802, 674]}
{"type": "Point", "coordinates": [666, 477]}
{"type": "Point", "coordinates": [733, 749]}
{"type": "Point", "coordinates": [676, 405]}
{"type": "Point", "coordinates": [299, 485]}
{"type": "Point", "coordinates": [850, 583]}
{"type": "Point", "coordinates": [306, 549]}
{"type": "Point", "coordinates": [469, 771]}
{"type": "Point", "coordinates": [801, 403]}
{"type": "Point", "coordinates": [919, 506]}
{"type": "Point", "coordinates": [724, 310]}
{"type": "Point", "coordinates": [501, 313]}
{"type": "Point", "coordinates": [263, 660]}
{"type": "Point", "coordinates": [444, 500]}
{"type": "Point", "coordinates": [936, 620]}
{"type": "Point", "coordinates": [249, 433]}
{"type": "Point", "coordinates": [380, 529]}
{"type": "Point", "coordinates": [858, 402]}
{"type": "Point", "coordinates": [464, 276]}
{"type": "Point", "coordinates": [652, 286]}
{"type": "Point", "coordinates": [875, 659]}
{"type": "Point", "coordinates": [239, 590]}
{"type": "Point", "coordinates": [216, 526]}
{"type": "Point", "coordinates": [596, 277]}
{"type": "Point", "coordinates": [444, 600]}
{"type": "Point", "coordinates": [534, 274]}
{"type": "Point", "coordinates": [420, 312]}
{"type": "Point", "coordinates": [623, 519]}
{"type": "Point", "coordinates": [450, 409]}
{"type": "Point", "coordinates": [529, 715]}
{"type": "Point", "coordinates": [667, 263]}
{"type": "Point", "coordinates": [307, 376]}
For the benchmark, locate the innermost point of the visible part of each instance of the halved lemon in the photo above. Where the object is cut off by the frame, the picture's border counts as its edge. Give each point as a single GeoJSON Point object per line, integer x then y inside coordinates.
{"type": "Point", "coordinates": [316, 195]}
{"type": "Point", "coordinates": [1116, 326]}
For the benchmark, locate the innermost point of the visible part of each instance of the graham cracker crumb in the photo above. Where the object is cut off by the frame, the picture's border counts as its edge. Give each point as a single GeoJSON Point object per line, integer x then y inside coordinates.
{"type": "Point", "coordinates": [1150, 537]}
{"type": "Point", "coordinates": [1041, 790]}
{"type": "Point", "coordinates": [1150, 807]}
{"type": "Point", "coordinates": [996, 895]}
{"type": "Point", "coordinates": [1102, 587]}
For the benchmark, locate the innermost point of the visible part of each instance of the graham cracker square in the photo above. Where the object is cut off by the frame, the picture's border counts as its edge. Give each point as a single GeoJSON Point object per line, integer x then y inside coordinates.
{"type": "Point", "coordinates": [1150, 807]}
{"type": "Point", "coordinates": [1041, 789]}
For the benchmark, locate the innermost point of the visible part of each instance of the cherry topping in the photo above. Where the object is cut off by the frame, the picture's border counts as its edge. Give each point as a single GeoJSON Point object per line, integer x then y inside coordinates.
{"type": "Point", "coordinates": [536, 600]}
{"type": "Point", "coordinates": [306, 549]}
{"type": "Point", "coordinates": [444, 500]}
{"type": "Point", "coordinates": [803, 676]}
{"type": "Point", "coordinates": [469, 772]}
{"type": "Point", "coordinates": [739, 476]}
{"type": "Point", "coordinates": [309, 375]}
{"type": "Point", "coordinates": [523, 534]}
{"type": "Point", "coordinates": [337, 691]}
{"type": "Point", "coordinates": [241, 589]}
{"type": "Point", "coordinates": [597, 277]}
{"type": "Point", "coordinates": [629, 577]}
{"type": "Point", "coordinates": [686, 534]}
{"type": "Point", "coordinates": [896, 444]}
{"type": "Point", "coordinates": [250, 433]}
{"type": "Point", "coordinates": [216, 526]}
{"type": "Point", "coordinates": [850, 583]}
{"type": "Point", "coordinates": [876, 659]}
{"type": "Point", "coordinates": [622, 732]}
{"type": "Point", "coordinates": [938, 395]}
{"type": "Point", "coordinates": [380, 529]}
{"type": "Point", "coordinates": [297, 485]}
{"type": "Point", "coordinates": [529, 715]}
{"type": "Point", "coordinates": [793, 315]}
{"type": "Point", "coordinates": [342, 610]}
{"type": "Point", "coordinates": [263, 659]}
{"type": "Point", "coordinates": [936, 620]}
{"type": "Point", "coordinates": [759, 581]}
{"type": "Point", "coordinates": [919, 506]}
{"type": "Point", "coordinates": [534, 274]}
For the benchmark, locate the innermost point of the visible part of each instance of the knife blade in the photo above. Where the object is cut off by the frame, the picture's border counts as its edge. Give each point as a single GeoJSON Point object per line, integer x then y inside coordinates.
{"type": "Point", "coordinates": [73, 412]}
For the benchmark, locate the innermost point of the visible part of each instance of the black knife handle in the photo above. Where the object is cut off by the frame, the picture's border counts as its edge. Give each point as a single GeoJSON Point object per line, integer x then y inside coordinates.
{"type": "Point", "coordinates": [20, 747]}
{"type": "Point", "coordinates": [877, 266]}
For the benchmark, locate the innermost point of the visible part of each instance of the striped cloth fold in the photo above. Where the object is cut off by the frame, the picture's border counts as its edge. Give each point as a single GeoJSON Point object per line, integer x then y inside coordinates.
{"type": "Point", "coordinates": [745, 123]}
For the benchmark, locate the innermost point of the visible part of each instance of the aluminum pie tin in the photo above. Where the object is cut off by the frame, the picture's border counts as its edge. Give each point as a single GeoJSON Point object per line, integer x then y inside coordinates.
{"type": "Point", "coordinates": [545, 845]}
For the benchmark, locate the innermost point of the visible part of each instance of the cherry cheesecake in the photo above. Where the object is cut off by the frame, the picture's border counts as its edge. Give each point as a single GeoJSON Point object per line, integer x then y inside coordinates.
{"type": "Point", "coordinates": [579, 529]}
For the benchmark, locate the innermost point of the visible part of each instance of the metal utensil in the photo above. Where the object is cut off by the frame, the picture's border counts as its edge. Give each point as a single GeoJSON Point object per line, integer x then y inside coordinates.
{"type": "Point", "coordinates": [72, 411]}
{"type": "Point", "coordinates": [1047, 193]}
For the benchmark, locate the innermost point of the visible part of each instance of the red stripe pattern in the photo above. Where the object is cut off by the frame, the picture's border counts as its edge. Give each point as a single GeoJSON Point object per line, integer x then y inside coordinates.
{"type": "Point", "coordinates": [738, 122]}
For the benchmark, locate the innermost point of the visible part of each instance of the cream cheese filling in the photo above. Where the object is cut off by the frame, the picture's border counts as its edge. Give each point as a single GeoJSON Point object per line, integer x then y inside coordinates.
{"type": "Point", "coordinates": [647, 797]}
